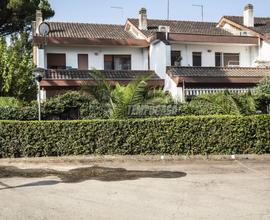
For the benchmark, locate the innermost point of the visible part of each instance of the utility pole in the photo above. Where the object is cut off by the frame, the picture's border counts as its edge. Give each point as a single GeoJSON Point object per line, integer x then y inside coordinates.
{"type": "Point", "coordinates": [202, 9]}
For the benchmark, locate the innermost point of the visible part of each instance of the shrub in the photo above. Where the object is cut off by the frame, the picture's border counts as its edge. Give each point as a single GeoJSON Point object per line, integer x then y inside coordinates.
{"type": "Point", "coordinates": [262, 95]}
{"type": "Point", "coordinates": [19, 113]}
{"type": "Point", "coordinates": [170, 135]}
{"type": "Point", "coordinates": [72, 105]}
{"type": "Point", "coordinates": [9, 102]}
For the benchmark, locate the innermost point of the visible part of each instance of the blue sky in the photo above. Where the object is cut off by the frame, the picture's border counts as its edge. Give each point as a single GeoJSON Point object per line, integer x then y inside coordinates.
{"type": "Point", "coordinates": [100, 11]}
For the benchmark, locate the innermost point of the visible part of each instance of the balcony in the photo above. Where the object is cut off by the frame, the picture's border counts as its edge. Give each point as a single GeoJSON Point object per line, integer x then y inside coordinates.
{"type": "Point", "coordinates": [191, 92]}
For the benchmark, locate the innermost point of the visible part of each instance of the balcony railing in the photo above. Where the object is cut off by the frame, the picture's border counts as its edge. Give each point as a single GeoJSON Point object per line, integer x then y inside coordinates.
{"type": "Point", "coordinates": [199, 91]}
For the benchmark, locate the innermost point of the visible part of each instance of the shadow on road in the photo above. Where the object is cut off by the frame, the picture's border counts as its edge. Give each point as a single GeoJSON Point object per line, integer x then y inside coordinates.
{"type": "Point", "coordinates": [82, 174]}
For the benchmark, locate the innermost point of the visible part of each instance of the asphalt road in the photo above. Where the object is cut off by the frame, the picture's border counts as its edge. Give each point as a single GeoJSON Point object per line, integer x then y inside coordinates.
{"type": "Point", "coordinates": [139, 190]}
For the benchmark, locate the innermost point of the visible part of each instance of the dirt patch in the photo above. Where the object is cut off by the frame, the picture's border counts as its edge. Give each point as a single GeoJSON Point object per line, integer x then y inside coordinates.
{"type": "Point", "coordinates": [88, 173]}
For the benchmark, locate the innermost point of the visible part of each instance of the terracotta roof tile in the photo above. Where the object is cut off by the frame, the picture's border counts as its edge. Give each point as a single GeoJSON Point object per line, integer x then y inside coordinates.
{"type": "Point", "coordinates": [218, 72]}
{"type": "Point", "coordinates": [84, 30]}
{"type": "Point", "coordinates": [261, 24]}
{"type": "Point", "coordinates": [109, 74]}
{"type": "Point", "coordinates": [186, 27]}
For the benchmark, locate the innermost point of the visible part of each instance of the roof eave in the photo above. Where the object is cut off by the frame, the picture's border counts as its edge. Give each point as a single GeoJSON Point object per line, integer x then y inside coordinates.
{"type": "Point", "coordinates": [63, 41]}
{"type": "Point", "coordinates": [181, 37]}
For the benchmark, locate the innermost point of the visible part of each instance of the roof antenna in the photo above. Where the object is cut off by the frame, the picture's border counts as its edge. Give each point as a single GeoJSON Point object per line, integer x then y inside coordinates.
{"type": "Point", "coordinates": [202, 9]}
{"type": "Point", "coordinates": [168, 10]}
{"type": "Point", "coordinates": [119, 8]}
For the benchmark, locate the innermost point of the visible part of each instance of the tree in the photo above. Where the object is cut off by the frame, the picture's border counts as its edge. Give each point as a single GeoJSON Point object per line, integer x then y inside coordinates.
{"type": "Point", "coordinates": [17, 15]}
{"type": "Point", "coordinates": [262, 95]}
{"type": "Point", "coordinates": [120, 98]}
{"type": "Point", "coordinates": [16, 69]}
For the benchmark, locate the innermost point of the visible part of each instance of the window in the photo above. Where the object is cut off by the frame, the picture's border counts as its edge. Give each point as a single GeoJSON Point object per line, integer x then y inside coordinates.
{"type": "Point", "coordinates": [197, 58]}
{"type": "Point", "coordinates": [56, 61]}
{"type": "Point", "coordinates": [83, 61]}
{"type": "Point", "coordinates": [227, 59]}
{"type": "Point", "coordinates": [117, 62]}
{"type": "Point", "coordinates": [176, 58]}
{"type": "Point", "coordinates": [218, 59]}
{"type": "Point", "coordinates": [231, 59]}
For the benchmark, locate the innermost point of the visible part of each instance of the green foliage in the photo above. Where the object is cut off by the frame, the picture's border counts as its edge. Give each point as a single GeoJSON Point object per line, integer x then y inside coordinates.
{"type": "Point", "coordinates": [17, 15]}
{"type": "Point", "coordinates": [222, 103]}
{"type": "Point", "coordinates": [119, 98]}
{"type": "Point", "coordinates": [173, 135]}
{"type": "Point", "coordinates": [262, 95]}
{"type": "Point", "coordinates": [86, 106]}
{"type": "Point", "coordinates": [264, 87]}
{"type": "Point", "coordinates": [158, 96]}
{"type": "Point", "coordinates": [9, 102]}
{"type": "Point", "coordinates": [16, 69]}
{"type": "Point", "coordinates": [26, 113]}
{"type": "Point", "coordinates": [124, 96]}
{"type": "Point", "coordinates": [71, 105]}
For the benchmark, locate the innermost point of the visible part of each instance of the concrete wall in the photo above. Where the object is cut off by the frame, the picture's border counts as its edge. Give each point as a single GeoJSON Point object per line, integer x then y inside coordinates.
{"type": "Point", "coordinates": [139, 56]}
{"type": "Point", "coordinates": [160, 58]}
{"type": "Point", "coordinates": [247, 53]}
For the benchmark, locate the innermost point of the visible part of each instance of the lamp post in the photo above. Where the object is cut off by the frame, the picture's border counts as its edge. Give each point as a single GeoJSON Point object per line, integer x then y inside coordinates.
{"type": "Point", "coordinates": [38, 75]}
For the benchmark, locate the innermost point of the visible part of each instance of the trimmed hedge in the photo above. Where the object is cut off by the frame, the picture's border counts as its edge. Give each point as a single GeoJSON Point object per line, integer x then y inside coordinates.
{"type": "Point", "coordinates": [171, 135]}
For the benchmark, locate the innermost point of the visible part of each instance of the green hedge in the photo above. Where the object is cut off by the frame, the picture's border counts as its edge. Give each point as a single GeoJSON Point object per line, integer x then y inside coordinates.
{"type": "Point", "coordinates": [172, 135]}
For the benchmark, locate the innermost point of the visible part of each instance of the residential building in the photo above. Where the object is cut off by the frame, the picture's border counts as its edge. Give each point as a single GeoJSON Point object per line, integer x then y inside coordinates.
{"type": "Point", "coordinates": [186, 57]}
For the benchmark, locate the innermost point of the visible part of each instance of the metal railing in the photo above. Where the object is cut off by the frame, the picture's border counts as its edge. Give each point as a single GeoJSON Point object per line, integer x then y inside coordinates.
{"type": "Point", "coordinates": [199, 91]}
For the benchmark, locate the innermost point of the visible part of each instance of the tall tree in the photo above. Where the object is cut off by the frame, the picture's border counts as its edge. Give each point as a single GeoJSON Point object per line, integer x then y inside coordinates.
{"type": "Point", "coordinates": [17, 15]}
{"type": "Point", "coordinates": [16, 68]}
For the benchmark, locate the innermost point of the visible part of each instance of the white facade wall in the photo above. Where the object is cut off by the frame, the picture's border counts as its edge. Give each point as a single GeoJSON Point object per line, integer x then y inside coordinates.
{"type": "Point", "coordinates": [160, 58]}
{"type": "Point", "coordinates": [265, 51]}
{"type": "Point", "coordinates": [40, 58]}
{"type": "Point", "coordinates": [248, 54]}
{"type": "Point", "coordinates": [176, 91]}
{"type": "Point", "coordinates": [236, 31]}
{"type": "Point", "coordinates": [139, 56]}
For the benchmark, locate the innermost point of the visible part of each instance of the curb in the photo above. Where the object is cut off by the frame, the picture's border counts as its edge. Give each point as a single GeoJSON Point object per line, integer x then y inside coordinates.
{"type": "Point", "coordinates": [136, 158]}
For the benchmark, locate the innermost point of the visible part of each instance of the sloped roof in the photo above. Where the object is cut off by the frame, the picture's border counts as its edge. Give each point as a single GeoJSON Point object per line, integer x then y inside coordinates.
{"type": "Point", "coordinates": [85, 30]}
{"type": "Point", "coordinates": [108, 74]}
{"type": "Point", "coordinates": [186, 27]}
{"type": "Point", "coordinates": [261, 24]}
{"type": "Point", "coordinates": [219, 71]}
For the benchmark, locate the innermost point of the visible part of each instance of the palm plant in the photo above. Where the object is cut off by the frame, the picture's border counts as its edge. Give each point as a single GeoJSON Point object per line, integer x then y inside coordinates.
{"type": "Point", "coordinates": [224, 103]}
{"type": "Point", "coordinates": [119, 98]}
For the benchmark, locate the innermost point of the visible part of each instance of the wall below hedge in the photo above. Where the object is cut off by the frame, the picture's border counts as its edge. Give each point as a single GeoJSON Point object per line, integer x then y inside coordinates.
{"type": "Point", "coordinates": [172, 135]}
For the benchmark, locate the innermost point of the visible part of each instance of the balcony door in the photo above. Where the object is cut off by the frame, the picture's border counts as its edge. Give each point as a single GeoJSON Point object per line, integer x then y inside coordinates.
{"type": "Point", "coordinates": [83, 61]}
{"type": "Point", "coordinates": [56, 61]}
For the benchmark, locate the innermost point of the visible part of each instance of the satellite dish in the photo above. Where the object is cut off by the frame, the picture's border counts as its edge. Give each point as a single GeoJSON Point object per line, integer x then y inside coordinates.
{"type": "Point", "coordinates": [44, 29]}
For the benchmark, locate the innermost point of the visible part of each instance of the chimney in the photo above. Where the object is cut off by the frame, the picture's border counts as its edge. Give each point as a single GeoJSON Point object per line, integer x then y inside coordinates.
{"type": "Point", "coordinates": [143, 19]}
{"type": "Point", "coordinates": [39, 19]}
{"type": "Point", "coordinates": [249, 16]}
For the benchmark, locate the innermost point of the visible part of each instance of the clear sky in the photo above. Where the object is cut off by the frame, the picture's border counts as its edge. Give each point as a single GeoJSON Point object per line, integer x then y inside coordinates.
{"type": "Point", "coordinates": [100, 11]}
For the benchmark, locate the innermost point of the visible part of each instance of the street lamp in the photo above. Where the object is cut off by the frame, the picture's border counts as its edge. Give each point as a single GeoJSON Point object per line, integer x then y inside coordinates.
{"type": "Point", "coordinates": [38, 74]}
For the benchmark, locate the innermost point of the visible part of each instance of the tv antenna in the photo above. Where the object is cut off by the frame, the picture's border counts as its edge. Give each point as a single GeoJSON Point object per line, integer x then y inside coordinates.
{"type": "Point", "coordinates": [119, 8]}
{"type": "Point", "coordinates": [168, 9]}
{"type": "Point", "coordinates": [202, 9]}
